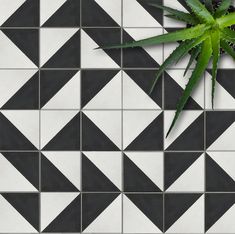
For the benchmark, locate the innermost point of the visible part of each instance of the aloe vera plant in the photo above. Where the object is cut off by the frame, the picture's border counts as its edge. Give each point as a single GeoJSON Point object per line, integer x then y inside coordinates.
{"type": "Point", "coordinates": [209, 31]}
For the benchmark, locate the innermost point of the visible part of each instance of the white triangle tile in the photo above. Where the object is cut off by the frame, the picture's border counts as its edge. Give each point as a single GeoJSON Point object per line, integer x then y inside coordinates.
{"type": "Point", "coordinates": [222, 99]}
{"type": "Point", "coordinates": [133, 12]}
{"type": "Point", "coordinates": [68, 163]}
{"type": "Point", "coordinates": [52, 204]}
{"type": "Point", "coordinates": [226, 160]}
{"type": "Point", "coordinates": [151, 164]}
{"type": "Point", "coordinates": [109, 122]}
{"type": "Point", "coordinates": [52, 39]}
{"type": "Point", "coordinates": [154, 51]}
{"type": "Point", "coordinates": [134, 97]}
{"type": "Point", "coordinates": [187, 182]}
{"type": "Point", "coordinates": [8, 8]}
{"type": "Point", "coordinates": [185, 224]}
{"type": "Point", "coordinates": [52, 122]}
{"type": "Point", "coordinates": [11, 221]}
{"type": "Point", "coordinates": [134, 122]}
{"type": "Point", "coordinates": [68, 97]}
{"type": "Point", "coordinates": [225, 224]}
{"type": "Point", "coordinates": [91, 58]}
{"type": "Point", "coordinates": [198, 92]}
{"type": "Point", "coordinates": [135, 221]}
{"type": "Point", "coordinates": [110, 163]}
{"type": "Point", "coordinates": [185, 120]}
{"type": "Point", "coordinates": [29, 128]}
{"type": "Point", "coordinates": [225, 140]}
{"type": "Point", "coordinates": [8, 51]}
{"type": "Point", "coordinates": [112, 8]}
{"type": "Point", "coordinates": [48, 8]}
{"type": "Point", "coordinates": [11, 179]}
{"type": "Point", "coordinates": [109, 96]}
{"type": "Point", "coordinates": [109, 221]}
{"type": "Point", "coordinates": [11, 81]}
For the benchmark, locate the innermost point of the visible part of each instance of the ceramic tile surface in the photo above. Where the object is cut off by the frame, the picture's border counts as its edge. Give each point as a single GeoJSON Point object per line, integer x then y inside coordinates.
{"type": "Point", "coordinates": [82, 142]}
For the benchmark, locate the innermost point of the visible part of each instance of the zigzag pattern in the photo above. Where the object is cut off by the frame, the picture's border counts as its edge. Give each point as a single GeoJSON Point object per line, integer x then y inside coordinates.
{"type": "Point", "coordinates": [82, 142]}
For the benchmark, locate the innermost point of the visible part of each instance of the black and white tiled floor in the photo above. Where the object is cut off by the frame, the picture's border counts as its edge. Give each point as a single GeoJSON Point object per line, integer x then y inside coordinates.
{"type": "Point", "coordinates": [83, 145]}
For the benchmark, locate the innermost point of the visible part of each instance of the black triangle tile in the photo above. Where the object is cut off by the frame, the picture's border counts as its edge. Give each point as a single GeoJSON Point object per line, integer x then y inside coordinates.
{"type": "Point", "coordinates": [27, 40]}
{"type": "Point", "coordinates": [135, 180]}
{"type": "Point", "coordinates": [176, 164]}
{"type": "Point", "coordinates": [184, 4]}
{"type": "Point", "coordinates": [216, 178]}
{"type": "Point", "coordinates": [176, 205]}
{"type": "Point", "coordinates": [151, 138]}
{"type": "Point", "coordinates": [94, 15]}
{"type": "Point", "coordinates": [216, 205]}
{"type": "Point", "coordinates": [69, 220]}
{"type": "Point", "coordinates": [94, 139]}
{"type": "Point", "coordinates": [27, 163]}
{"type": "Point", "coordinates": [93, 179]}
{"type": "Point", "coordinates": [192, 138]}
{"type": "Point", "coordinates": [136, 57]}
{"type": "Point", "coordinates": [52, 180]}
{"type": "Point", "coordinates": [156, 13]}
{"type": "Point", "coordinates": [106, 36]}
{"type": "Point", "coordinates": [68, 138]}
{"type": "Point", "coordinates": [93, 81]}
{"type": "Point", "coordinates": [27, 15]}
{"type": "Point", "coordinates": [11, 138]}
{"type": "Point", "coordinates": [68, 15]}
{"type": "Point", "coordinates": [93, 204]}
{"type": "Point", "coordinates": [51, 81]}
{"type": "Point", "coordinates": [68, 56]}
{"type": "Point", "coordinates": [151, 205]}
{"type": "Point", "coordinates": [27, 204]}
{"type": "Point", "coordinates": [217, 122]}
{"type": "Point", "coordinates": [172, 94]}
{"type": "Point", "coordinates": [27, 97]}
{"type": "Point", "coordinates": [144, 79]}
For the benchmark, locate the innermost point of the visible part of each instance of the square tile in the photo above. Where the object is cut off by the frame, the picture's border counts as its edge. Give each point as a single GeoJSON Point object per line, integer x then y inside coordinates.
{"type": "Point", "coordinates": [143, 171]}
{"type": "Point", "coordinates": [143, 213]}
{"type": "Point", "coordinates": [220, 130]}
{"type": "Point", "coordinates": [19, 212]}
{"type": "Point", "coordinates": [19, 13]}
{"type": "Point", "coordinates": [134, 10]}
{"type": "Point", "coordinates": [60, 48]}
{"type": "Point", "coordinates": [138, 57]}
{"type": "Point", "coordinates": [101, 13]}
{"type": "Point", "coordinates": [18, 134]}
{"type": "Point", "coordinates": [101, 212]}
{"type": "Point", "coordinates": [60, 13]}
{"type": "Point", "coordinates": [60, 89]}
{"type": "Point", "coordinates": [142, 130]}
{"type": "Point", "coordinates": [60, 130]}
{"type": "Point", "coordinates": [20, 48]}
{"type": "Point", "coordinates": [136, 90]}
{"type": "Point", "coordinates": [101, 89]}
{"type": "Point", "coordinates": [101, 130]}
{"type": "Point", "coordinates": [188, 132]}
{"type": "Point", "coordinates": [92, 38]}
{"type": "Point", "coordinates": [19, 89]}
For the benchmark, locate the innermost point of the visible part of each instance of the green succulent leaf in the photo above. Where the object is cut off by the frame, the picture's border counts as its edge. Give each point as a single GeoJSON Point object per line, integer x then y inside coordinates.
{"type": "Point", "coordinates": [228, 49]}
{"type": "Point", "coordinates": [215, 41]}
{"type": "Point", "coordinates": [194, 55]}
{"type": "Point", "coordinates": [228, 35]}
{"type": "Point", "coordinates": [181, 35]}
{"type": "Point", "coordinates": [226, 21]}
{"type": "Point", "coordinates": [209, 6]}
{"type": "Point", "coordinates": [223, 8]}
{"type": "Point", "coordinates": [202, 63]}
{"type": "Point", "coordinates": [176, 14]}
{"type": "Point", "coordinates": [200, 11]}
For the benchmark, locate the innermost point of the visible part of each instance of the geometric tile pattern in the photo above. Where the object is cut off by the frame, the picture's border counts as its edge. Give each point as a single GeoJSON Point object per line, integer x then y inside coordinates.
{"type": "Point", "coordinates": [82, 142]}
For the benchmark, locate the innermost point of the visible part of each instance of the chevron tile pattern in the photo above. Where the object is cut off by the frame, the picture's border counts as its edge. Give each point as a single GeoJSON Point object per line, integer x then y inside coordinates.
{"type": "Point", "coordinates": [82, 142]}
